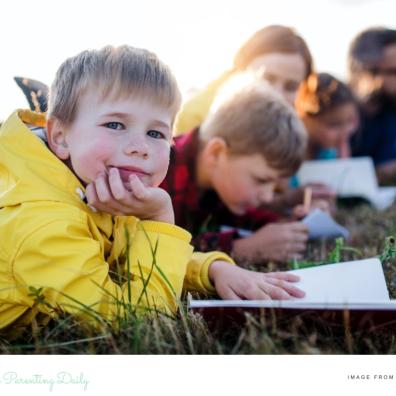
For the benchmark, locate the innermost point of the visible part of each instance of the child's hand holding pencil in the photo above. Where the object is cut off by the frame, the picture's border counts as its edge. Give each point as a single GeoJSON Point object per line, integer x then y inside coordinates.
{"type": "Point", "coordinates": [309, 204]}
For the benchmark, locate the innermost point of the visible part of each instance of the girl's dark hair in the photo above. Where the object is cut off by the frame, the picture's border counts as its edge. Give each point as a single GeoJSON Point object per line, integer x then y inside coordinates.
{"type": "Point", "coordinates": [366, 48]}
{"type": "Point", "coordinates": [272, 39]}
{"type": "Point", "coordinates": [320, 93]}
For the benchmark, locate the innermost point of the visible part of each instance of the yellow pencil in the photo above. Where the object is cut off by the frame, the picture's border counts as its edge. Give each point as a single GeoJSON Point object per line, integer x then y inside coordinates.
{"type": "Point", "coordinates": [307, 198]}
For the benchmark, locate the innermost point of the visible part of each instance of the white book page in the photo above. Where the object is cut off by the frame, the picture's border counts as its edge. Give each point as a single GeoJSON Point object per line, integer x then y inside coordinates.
{"type": "Point", "coordinates": [350, 177]}
{"type": "Point", "coordinates": [322, 225]}
{"type": "Point", "coordinates": [352, 281]}
{"type": "Point", "coordinates": [358, 285]}
{"type": "Point", "coordinates": [384, 198]}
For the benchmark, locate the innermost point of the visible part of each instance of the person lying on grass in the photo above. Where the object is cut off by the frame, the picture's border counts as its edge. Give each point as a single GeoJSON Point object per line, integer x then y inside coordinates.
{"type": "Point", "coordinates": [199, 211]}
{"type": "Point", "coordinates": [223, 174]}
{"type": "Point", "coordinates": [108, 131]}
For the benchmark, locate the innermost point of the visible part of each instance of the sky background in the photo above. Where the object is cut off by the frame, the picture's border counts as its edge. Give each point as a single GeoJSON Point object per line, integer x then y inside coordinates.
{"type": "Point", "coordinates": [196, 38]}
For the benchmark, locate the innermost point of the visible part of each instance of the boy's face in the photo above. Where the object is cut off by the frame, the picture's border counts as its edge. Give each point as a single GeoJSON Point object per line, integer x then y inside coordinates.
{"type": "Point", "coordinates": [129, 134]}
{"type": "Point", "coordinates": [243, 181]}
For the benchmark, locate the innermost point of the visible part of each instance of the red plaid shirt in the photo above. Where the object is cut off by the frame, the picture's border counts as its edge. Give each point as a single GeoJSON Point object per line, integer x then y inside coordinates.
{"type": "Point", "coordinates": [202, 212]}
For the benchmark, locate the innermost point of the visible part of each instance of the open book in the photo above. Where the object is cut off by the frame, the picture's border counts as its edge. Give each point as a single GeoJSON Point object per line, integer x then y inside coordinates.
{"type": "Point", "coordinates": [350, 177]}
{"type": "Point", "coordinates": [342, 283]}
{"type": "Point", "coordinates": [352, 294]}
{"type": "Point", "coordinates": [357, 286]}
{"type": "Point", "coordinates": [346, 282]}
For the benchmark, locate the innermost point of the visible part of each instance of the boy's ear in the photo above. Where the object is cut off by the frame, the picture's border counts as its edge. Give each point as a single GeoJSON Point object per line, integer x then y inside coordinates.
{"type": "Point", "coordinates": [56, 136]}
{"type": "Point", "coordinates": [216, 148]}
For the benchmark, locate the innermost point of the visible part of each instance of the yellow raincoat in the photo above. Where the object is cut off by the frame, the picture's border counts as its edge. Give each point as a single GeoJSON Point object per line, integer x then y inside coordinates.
{"type": "Point", "coordinates": [51, 239]}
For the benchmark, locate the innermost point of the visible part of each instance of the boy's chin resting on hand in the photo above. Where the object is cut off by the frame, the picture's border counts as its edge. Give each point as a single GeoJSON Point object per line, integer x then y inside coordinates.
{"type": "Point", "coordinates": [108, 194]}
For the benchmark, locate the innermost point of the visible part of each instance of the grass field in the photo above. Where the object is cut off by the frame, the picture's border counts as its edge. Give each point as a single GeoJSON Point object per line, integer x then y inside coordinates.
{"type": "Point", "coordinates": [189, 333]}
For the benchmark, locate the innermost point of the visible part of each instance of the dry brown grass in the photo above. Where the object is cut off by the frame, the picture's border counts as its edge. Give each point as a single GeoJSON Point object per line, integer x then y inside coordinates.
{"type": "Point", "coordinates": [189, 333]}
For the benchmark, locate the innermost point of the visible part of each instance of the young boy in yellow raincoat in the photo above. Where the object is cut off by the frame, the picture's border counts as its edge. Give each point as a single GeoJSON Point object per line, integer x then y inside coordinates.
{"type": "Point", "coordinates": [107, 133]}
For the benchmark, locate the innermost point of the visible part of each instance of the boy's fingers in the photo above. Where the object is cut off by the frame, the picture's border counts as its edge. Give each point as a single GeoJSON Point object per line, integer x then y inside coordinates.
{"type": "Point", "coordinates": [227, 293]}
{"type": "Point", "coordinates": [286, 287]}
{"type": "Point", "coordinates": [90, 193]}
{"type": "Point", "coordinates": [103, 189]}
{"type": "Point", "coordinates": [287, 276]}
{"type": "Point", "coordinates": [300, 211]}
{"type": "Point", "coordinates": [321, 204]}
{"type": "Point", "coordinates": [116, 185]}
{"type": "Point", "coordinates": [296, 247]}
{"type": "Point", "coordinates": [277, 293]}
{"type": "Point", "coordinates": [324, 192]}
{"type": "Point", "coordinates": [293, 250]}
{"type": "Point", "coordinates": [104, 200]}
{"type": "Point", "coordinates": [94, 203]}
{"type": "Point", "coordinates": [296, 225]}
{"type": "Point", "coordinates": [299, 237]}
{"type": "Point", "coordinates": [300, 227]}
{"type": "Point", "coordinates": [262, 292]}
{"type": "Point", "coordinates": [139, 190]}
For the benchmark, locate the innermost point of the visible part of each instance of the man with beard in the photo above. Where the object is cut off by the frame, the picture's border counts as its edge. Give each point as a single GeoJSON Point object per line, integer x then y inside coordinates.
{"type": "Point", "coordinates": [372, 76]}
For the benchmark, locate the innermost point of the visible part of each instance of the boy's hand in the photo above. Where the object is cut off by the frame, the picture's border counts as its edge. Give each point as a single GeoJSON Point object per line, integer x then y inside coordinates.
{"type": "Point", "coordinates": [292, 197]}
{"type": "Point", "coordinates": [321, 191]}
{"type": "Point", "coordinates": [109, 194]}
{"type": "Point", "coordinates": [275, 241]}
{"type": "Point", "coordinates": [235, 283]}
{"type": "Point", "coordinates": [301, 211]}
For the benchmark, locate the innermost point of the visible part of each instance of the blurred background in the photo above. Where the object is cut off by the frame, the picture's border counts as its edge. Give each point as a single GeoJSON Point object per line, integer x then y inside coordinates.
{"type": "Point", "coordinates": [196, 38]}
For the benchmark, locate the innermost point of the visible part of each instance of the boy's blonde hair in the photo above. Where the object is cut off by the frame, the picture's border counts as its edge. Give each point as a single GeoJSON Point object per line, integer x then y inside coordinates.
{"type": "Point", "coordinates": [117, 72]}
{"type": "Point", "coordinates": [252, 118]}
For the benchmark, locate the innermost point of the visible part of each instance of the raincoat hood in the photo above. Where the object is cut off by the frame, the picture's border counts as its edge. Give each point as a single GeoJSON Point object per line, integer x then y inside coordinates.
{"type": "Point", "coordinates": [36, 173]}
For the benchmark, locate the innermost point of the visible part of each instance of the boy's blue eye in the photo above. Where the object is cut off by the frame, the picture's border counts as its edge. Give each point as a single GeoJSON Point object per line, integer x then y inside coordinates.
{"type": "Point", "coordinates": [155, 134]}
{"type": "Point", "coordinates": [114, 125]}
